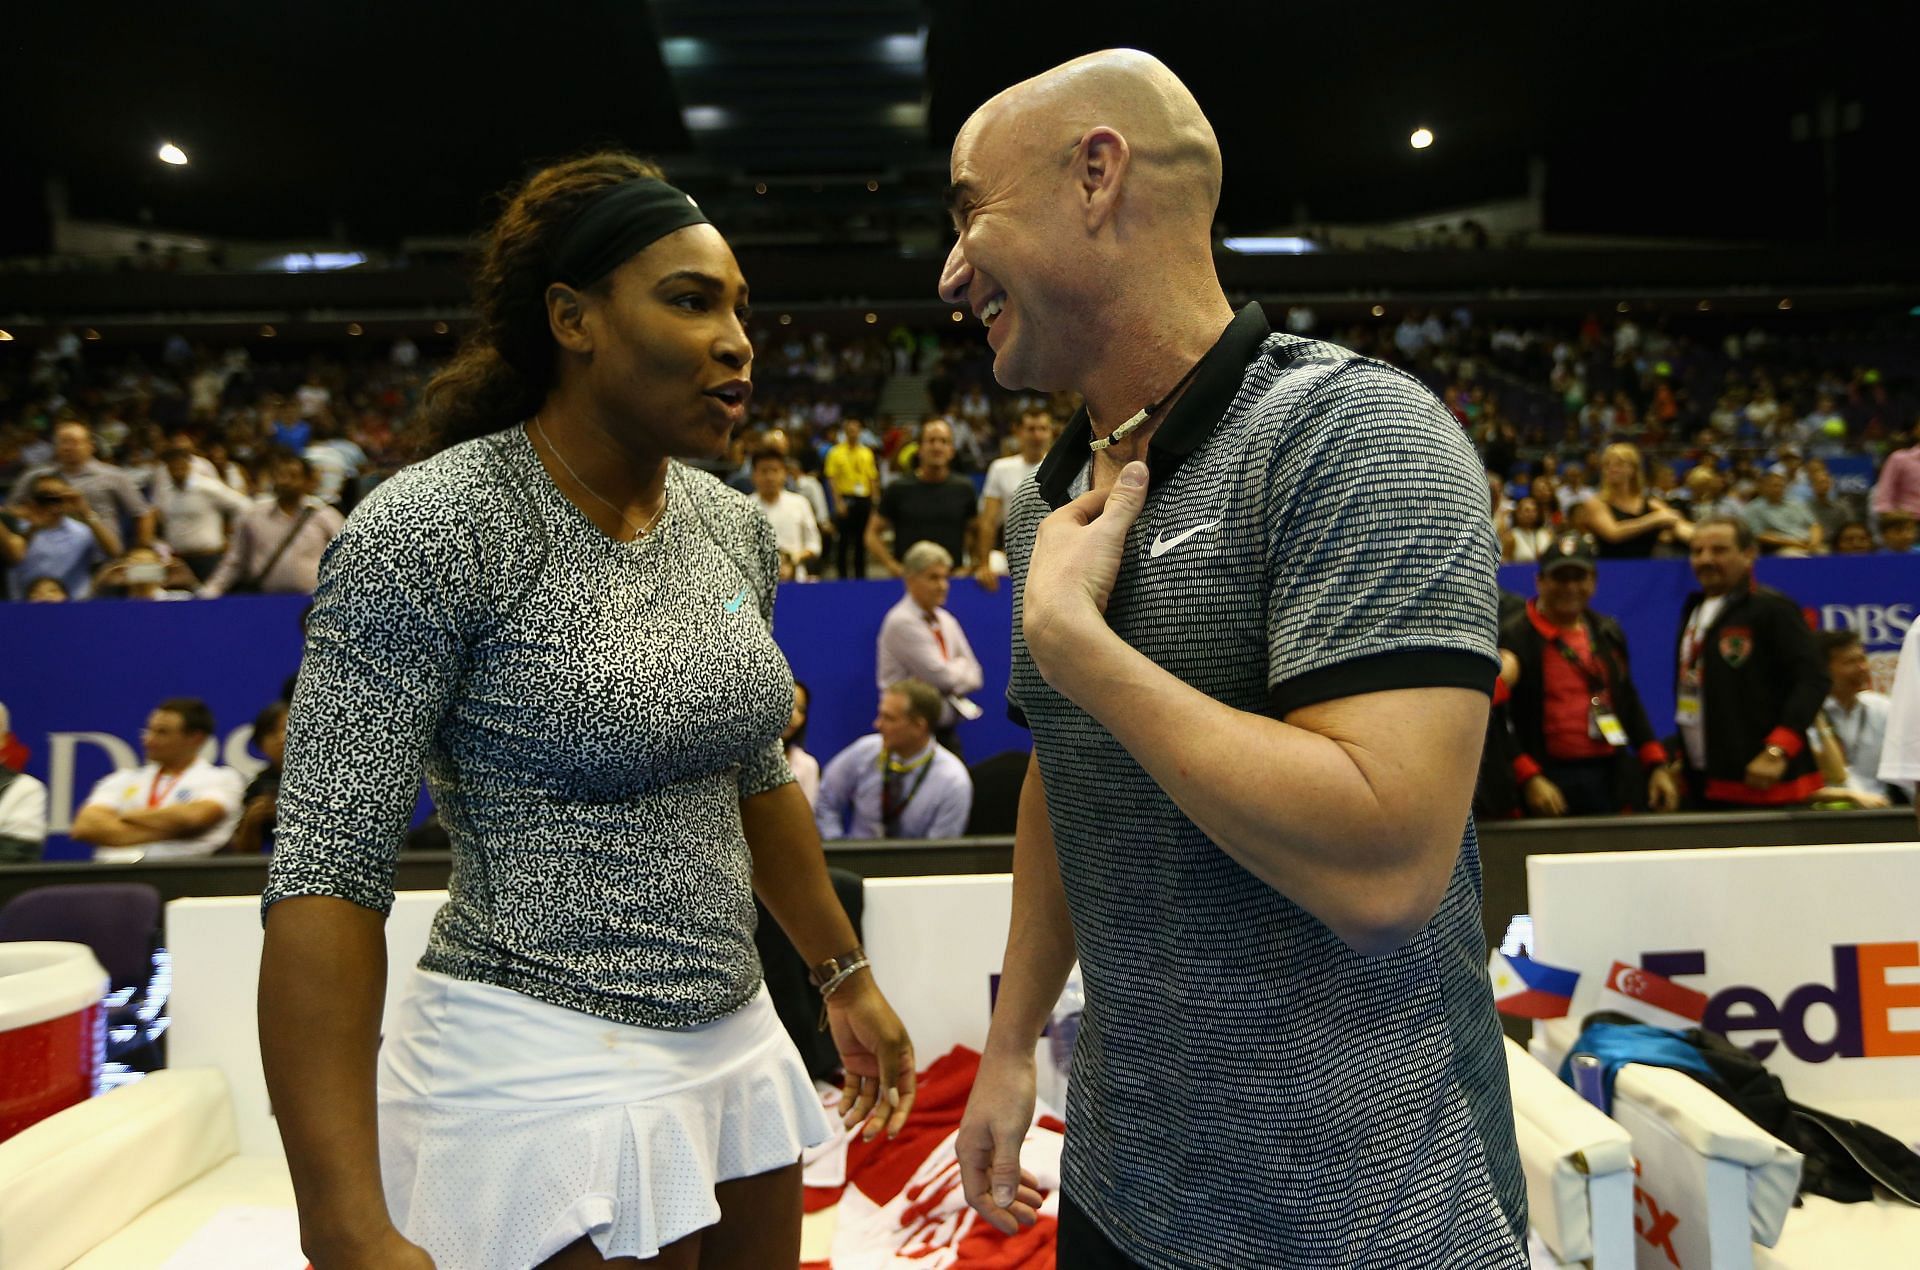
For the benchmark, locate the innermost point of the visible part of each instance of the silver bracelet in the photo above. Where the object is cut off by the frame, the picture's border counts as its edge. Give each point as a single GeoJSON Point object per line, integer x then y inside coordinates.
{"type": "Point", "coordinates": [845, 973]}
{"type": "Point", "coordinates": [840, 976]}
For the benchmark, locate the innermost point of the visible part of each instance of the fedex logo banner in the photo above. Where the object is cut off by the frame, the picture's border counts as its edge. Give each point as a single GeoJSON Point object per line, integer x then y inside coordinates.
{"type": "Point", "coordinates": [1808, 957]}
{"type": "Point", "coordinates": [1868, 1007]}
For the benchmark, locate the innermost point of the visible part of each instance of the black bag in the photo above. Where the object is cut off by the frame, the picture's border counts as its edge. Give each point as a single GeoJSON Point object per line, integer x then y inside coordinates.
{"type": "Point", "coordinates": [1845, 1159]}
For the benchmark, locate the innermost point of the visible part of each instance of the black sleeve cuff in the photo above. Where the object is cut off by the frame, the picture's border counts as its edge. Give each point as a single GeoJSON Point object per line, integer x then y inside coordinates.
{"type": "Point", "coordinates": [1383, 672]}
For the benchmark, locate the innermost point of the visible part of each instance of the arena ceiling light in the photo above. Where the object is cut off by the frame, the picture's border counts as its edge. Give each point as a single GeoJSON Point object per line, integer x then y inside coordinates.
{"type": "Point", "coordinates": [1277, 246]}
{"type": "Point", "coordinates": [313, 261]}
{"type": "Point", "coordinates": [171, 153]}
{"type": "Point", "coordinates": [706, 118]}
{"type": "Point", "coordinates": [1421, 138]}
{"type": "Point", "coordinates": [904, 50]}
{"type": "Point", "coordinates": [682, 51]}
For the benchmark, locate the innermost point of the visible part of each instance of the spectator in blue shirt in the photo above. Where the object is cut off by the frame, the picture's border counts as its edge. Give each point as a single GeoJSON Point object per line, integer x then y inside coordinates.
{"type": "Point", "coordinates": [60, 537]}
{"type": "Point", "coordinates": [897, 782]}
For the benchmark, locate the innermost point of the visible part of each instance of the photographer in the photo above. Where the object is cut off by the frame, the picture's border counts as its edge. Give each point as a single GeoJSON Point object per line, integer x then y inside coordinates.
{"type": "Point", "coordinates": [145, 574]}
{"type": "Point", "coordinates": [57, 535]}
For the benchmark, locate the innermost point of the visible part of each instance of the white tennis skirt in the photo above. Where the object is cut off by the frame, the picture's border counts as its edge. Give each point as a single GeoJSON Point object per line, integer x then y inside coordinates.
{"type": "Point", "coordinates": [509, 1127]}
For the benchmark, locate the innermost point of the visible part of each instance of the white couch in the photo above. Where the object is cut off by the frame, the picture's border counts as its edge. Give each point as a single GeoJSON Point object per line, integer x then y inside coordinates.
{"type": "Point", "coordinates": [1579, 1171]}
{"type": "Point", "coordinates": [1775, 917]}
{"type": "Point", "coordinates": [122, 1181]}
{"type": "Point", "coordinates": [213, 1154]}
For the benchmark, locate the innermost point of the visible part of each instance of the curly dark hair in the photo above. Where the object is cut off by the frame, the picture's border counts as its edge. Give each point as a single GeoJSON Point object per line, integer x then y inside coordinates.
{"type": "Point", "coordinates": [505, 367]}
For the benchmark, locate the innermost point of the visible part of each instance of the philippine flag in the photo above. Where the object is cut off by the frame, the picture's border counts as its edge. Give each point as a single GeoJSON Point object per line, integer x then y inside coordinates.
{"type": "Point", "coordinates": [1530, 989]}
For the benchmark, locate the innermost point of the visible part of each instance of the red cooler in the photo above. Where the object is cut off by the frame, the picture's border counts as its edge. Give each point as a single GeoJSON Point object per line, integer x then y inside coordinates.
{"type": "Point", "coordinates": [52, 1030]}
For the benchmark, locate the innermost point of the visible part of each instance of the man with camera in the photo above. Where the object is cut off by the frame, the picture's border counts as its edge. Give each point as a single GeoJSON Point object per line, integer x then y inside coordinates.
{"type": "Point", "coordinates": [55, 534]}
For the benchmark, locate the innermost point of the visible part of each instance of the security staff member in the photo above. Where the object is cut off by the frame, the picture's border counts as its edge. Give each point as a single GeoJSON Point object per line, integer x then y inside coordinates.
{"type": "Point", "coordinates": [1748, 681]}
{"type": "Point", "coordinates": [1586, 747]}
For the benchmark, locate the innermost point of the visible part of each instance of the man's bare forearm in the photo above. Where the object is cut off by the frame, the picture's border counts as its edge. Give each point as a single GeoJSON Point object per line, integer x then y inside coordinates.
{"type": "Point", "coordinates": [1040, 943]}
{"type": "Point", "coordinates": [101, 827]}
{"type": "Point", "coordinates": [1329, 825]}
{"type": "Point", "coordinates": [172, 822]}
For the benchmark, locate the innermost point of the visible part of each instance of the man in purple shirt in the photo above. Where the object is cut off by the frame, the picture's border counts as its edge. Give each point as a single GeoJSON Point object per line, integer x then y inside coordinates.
{"type": "Point", "coordinates": [276, 547]}
{"type": "Point", "coordinates": [109, 491]}
{"type": "Point", "coordinates": [1898, 489]}
{"type": "Point", "coordinates": [920, 639]}
{"type": "Point", "coordinates": [896, 782]}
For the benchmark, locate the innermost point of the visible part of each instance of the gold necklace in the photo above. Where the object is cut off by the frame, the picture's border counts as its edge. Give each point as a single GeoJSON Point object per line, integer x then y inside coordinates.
{"type": "Point", "coordinates": [638, 530]}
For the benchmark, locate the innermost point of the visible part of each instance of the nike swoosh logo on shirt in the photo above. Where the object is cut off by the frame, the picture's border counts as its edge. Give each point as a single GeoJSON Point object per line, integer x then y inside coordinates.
{"type": "Point", "coordinates": [733, 605]}
{"type": "Point", "coordinates": [1163, 544]}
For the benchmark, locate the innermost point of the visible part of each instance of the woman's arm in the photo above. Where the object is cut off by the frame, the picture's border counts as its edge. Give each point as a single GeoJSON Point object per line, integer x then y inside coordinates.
{"type": "Point", "coordinates": [323, 979]}
{"type": "Point", "coordinates": [790, 877]}
{"type": "Point", "coordinates": [384, 659]}
{"type": "Point", "coordinates": [1598, 519]}
{"type": "Point", "coordinates": [1682, 528]}
{"type": "Point", "coordinates": [249, 835]}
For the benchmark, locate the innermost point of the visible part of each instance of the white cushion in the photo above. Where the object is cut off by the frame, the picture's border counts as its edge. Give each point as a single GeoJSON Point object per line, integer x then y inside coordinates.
{"type": "Point", "coordinates": [1710, 1127]}
{"type": "Point", "coordinates": [1822, 1234]}
{"type": "Point", "coordinates": [156, 1236]}
{"type": "Point", "coordinates": [77, 1177]}
{"type": "Point", "coordinates": [1567, 1146]}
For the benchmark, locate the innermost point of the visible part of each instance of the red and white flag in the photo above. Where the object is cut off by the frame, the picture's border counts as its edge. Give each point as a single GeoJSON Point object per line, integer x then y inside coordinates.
{"type": "Point", "coordinates": [894, 1205]}
{"type": "Point", "coordinates": [1652, 998]}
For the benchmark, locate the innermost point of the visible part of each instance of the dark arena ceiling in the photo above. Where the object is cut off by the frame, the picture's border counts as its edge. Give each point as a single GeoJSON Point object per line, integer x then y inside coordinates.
{"type": "Point", "coordinates": [375, 123]}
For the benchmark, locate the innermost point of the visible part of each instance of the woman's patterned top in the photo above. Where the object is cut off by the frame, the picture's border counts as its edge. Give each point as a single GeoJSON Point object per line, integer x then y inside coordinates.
{"type": "Point", "coordinates": [588, 714]}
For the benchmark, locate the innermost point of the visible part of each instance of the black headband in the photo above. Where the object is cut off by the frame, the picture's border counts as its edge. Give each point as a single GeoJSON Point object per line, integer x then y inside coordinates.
{"type": "Point", "coordinates": [617, 222]}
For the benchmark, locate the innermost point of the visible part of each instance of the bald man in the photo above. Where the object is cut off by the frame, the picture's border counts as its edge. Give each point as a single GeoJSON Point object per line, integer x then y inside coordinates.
{"type": "Point", "coordinates": [108, 490]}
{"type": "Point", "coordinates": [1254, 638]}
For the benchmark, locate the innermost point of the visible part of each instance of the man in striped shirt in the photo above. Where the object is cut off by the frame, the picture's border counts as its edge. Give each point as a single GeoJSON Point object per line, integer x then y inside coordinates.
{"type": "Point", "coordinates": [1254, 638]}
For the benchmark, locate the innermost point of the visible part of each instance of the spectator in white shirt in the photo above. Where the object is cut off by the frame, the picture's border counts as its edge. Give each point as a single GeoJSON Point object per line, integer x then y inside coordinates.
{"type": "Point", "coordinates": [1035, 433]}
{"type": "Point", "coordinates": [194, 508]}
{"type": "Point", "coordinates": [156, 476]}
{"type": "Point", "coordinates": [808, 486]}
{"type": "Point", "coordinates": [23, 802]}
{"type": "Point", "coordinates": [335, 459]}
{"type": "Point", "coordinates": [795, 531]}
{"type": "Point", "coordinates": [920, 639]}
{"type": "Point", "coordinates": [1856, 715]}
{"type": "Point", "coordinates": [177, 805]}
{"type": "Point", "coordinates": [1900, 749]}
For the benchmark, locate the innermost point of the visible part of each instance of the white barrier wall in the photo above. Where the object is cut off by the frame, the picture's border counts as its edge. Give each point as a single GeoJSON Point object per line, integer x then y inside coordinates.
{"type": "Point", "coordinates": [216, 977]}
{"type": "Point", "coordinates": [1809, 954]}
{"type": "Point", "coordinates": [935, 943]}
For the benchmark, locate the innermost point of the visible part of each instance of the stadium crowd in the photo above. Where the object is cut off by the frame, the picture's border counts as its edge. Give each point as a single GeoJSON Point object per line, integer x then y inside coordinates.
{"type": "Point", "coordinates": [194, 472]}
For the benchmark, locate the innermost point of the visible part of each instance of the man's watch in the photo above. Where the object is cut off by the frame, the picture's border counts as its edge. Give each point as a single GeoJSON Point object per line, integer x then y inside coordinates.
{"type": "Point", "coordinates": [1774, 751]}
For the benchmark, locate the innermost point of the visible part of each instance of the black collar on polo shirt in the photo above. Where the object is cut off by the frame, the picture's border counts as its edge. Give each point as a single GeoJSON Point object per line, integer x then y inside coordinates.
{"type": "Point", "coordinates": [1190, 421]}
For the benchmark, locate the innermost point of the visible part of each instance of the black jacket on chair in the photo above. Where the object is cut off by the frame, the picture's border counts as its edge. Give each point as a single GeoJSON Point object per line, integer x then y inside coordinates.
{"type": "Point", "coordinates": [1762, 681]}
